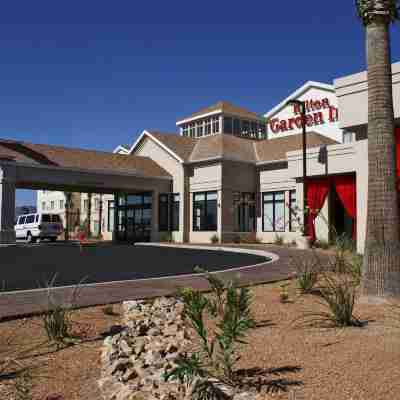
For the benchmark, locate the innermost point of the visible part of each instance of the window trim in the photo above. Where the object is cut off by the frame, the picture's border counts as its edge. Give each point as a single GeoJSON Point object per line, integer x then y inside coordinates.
{"type": "Point", "coordinates": [171, 210]}
{"type": "Point", "coordinates": [207, 227]}
{"type": "Point", "coordinates": [273, 202]}
{"type": "Point", "coordinates": [108, 215]}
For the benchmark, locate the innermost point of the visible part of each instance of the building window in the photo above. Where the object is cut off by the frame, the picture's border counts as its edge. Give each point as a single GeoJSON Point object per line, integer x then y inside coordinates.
{"type": "Point", "coordinates": [208, 127]}
{"type": "Point", "coordinates": [262, 130]}
{"type": "Point", "coordinates": [228, 128]}
{"type": "Point", "coordinates": [245, 128]}
{"type": "Point", "coordinates": [61, 204]}
{"type": "Point", "coordinates": [43, 205]}
{"type": "Point", "coordinates": [244, 211]}
{"type": "Point", "coordinates": [110, 216]}
{"type": "Point", "coordinates": [185, 130]}
{"type": "Point", "coordinates": [236, 126]}
{"type": "Point", "coordinates": [192, 129]}
{"type": "Point", "coordinates": [200, 129]}
{"type": "Point", "coordinates": [215, 124]}
{"type": "Point", "coordinates": [52, 205]}
{"type": "Point", "coordinates": [85, 205]}
{"type": "Point", "coordinates": [274, 212]}
{"type": "Point", "coordinates": [163, 213]}
{"type": "Point", "coordinates": [253, 129]}
{"type": "Point", "coordinates": [348, 137]}
{"type": "Point", "coordinates": [96, 204]}
{"type": "Point", "coordinates": [205, 211]}
{"type": "Point", "coordinates": [292, 210]}
{"type": "Point", "coordinates": [169, 212]}
{"type": "Point", "coordinates": [175, 212]}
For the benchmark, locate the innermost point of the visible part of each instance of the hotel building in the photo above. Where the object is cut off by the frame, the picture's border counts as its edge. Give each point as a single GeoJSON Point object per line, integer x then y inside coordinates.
{"type": "Point", "coordinates": [233, 173]}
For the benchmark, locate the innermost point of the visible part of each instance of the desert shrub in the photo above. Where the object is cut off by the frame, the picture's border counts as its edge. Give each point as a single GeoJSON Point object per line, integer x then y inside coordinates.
{"type": "Point", "coordinates": [284, 293]}
{"type": "Point", "coordinates": [214, 239]}
{"type": "Point", "coordinates": [354, 266]}
{"type": "Point", "coordinates": [337, 296]}
{"type": "Point", "coordinates": [322, 244]}
{"type": "Point", "coordinates": [279, 241]}
{"type": "Point", "coordinates": [214, 362]}
{"type": "Point", "coordinates": [307, 272]}
{"type": "Point", "coordinates": [57, 320]}
{"type": "Point", "coordinates": [237, 239]}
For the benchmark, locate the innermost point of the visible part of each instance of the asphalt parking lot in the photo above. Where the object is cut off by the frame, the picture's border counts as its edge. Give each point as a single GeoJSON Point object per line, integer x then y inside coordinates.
{"type": "Point", "coordinates": [27, 266]}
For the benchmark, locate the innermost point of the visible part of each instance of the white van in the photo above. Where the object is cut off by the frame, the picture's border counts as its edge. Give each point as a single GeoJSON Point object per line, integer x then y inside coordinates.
{"type": "Point", "coordinates": [38, 226]}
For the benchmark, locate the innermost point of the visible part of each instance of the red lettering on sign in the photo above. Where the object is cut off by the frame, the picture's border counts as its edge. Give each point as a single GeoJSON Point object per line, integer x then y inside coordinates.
{"type": "Point", "coordinates": [292, 121]}
{"type": "Point", "coordinates": [325, 103]}
{"type": "Point", "coordinates": [333, 114]}
{"type": "Point", "coordinates": [318, 118]}
{"type": "Point", "coordinates": [283, 125]}
{"type": "Point", "coordinates": [314, 116]}
{"type": "Point", "coordinates": [274, 124]}
{"type": "Point", "coordinates": [309, 120]}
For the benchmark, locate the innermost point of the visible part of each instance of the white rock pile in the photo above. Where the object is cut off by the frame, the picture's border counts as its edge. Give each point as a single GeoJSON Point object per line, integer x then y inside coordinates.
{"type": "Point", "coordinates": [135, 360]}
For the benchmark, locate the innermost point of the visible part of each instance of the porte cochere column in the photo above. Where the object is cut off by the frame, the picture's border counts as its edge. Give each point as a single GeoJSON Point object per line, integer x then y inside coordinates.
{"type": "Point", "coordinates": [7, 202]}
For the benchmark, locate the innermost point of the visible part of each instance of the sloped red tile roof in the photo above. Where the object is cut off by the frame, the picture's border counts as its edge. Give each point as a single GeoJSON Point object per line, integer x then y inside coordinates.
{"type": "Point", "coordinates": [43, 154]}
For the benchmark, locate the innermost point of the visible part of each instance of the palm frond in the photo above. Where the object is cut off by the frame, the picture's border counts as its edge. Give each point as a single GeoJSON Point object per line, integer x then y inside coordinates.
{"type": "Point", "coordinates": [367, 9]}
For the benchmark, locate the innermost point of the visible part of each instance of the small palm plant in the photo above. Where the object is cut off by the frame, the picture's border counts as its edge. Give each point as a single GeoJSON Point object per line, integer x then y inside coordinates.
{"type": "Point", "coordinates": [212, 367]}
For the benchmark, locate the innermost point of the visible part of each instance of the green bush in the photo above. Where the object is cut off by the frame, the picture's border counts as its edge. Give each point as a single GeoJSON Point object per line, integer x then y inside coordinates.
{"type": "Point", "coordinates": [214, 239]}
{"type": "Point", "coordinates": [217, 356]}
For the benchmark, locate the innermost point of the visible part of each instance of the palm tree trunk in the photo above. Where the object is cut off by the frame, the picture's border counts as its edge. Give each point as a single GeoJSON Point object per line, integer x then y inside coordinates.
{"type": "Point", "coordinates": [381, 272]}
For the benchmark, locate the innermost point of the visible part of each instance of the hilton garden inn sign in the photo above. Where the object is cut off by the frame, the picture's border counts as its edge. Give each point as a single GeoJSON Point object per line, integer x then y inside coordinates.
{"type": "Point", "coordinates": [322, 113]}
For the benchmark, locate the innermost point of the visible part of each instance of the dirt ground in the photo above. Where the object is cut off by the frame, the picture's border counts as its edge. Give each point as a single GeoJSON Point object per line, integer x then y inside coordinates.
{"type": "Point", "coordinates": [324, 364]}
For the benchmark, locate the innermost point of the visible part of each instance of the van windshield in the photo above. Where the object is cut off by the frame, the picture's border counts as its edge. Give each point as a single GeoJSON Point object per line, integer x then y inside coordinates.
{"type": "Point", "coordinates": [51, 218]}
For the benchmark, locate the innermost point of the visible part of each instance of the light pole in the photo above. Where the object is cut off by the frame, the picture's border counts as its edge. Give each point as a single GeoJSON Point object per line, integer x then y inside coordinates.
{"type": "Point", "coordinates": [302, 106]}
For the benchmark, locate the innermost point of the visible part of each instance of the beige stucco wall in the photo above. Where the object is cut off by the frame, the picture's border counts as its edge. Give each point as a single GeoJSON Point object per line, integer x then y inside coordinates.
{"type": "Point", "coordinates": [149, 148]}
{"type": "Point", "coordinates": [352, 93]}
{"type": "Point", "coordinates": [204, 178]}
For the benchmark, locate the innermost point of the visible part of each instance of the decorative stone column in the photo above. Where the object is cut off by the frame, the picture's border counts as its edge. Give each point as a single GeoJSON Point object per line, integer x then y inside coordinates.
{"type": "Point", "coordinates": [7, 201]}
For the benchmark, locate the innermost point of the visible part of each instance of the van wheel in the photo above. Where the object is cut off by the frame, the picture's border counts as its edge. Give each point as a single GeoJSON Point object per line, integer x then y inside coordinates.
{"type": "Point", "coordinates": [30, 238]}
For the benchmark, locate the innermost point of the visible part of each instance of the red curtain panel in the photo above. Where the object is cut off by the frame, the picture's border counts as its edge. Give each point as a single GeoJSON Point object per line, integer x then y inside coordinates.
{"type": "Point", "coordinates": [346, 190]}
{"type": "Point", "coordinates": [317, 190]}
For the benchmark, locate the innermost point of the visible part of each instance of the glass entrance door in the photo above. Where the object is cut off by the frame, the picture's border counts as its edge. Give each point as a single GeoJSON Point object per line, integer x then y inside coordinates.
{"type": "Point", "coordinates": [134, 217]}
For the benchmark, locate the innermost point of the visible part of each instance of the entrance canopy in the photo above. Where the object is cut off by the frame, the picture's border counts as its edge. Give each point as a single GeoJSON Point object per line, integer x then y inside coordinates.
{"type": "Point", "coordinates": [38, 166]}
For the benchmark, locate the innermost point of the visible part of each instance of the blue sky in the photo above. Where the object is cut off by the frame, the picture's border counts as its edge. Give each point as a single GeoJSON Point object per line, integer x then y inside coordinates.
{"type": "Point", "coordinates": [94, 74]}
